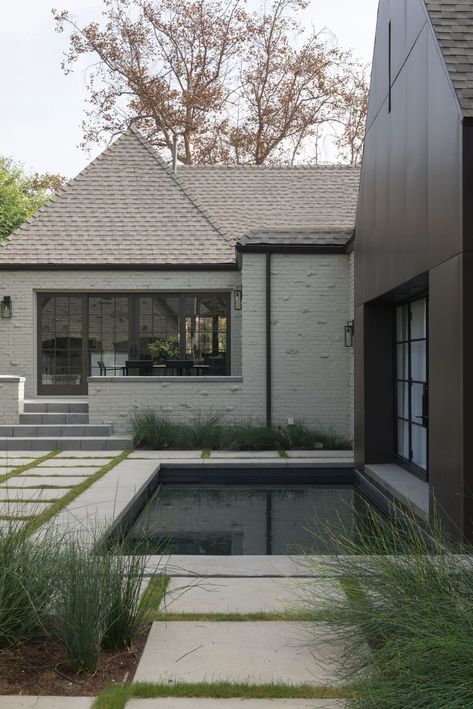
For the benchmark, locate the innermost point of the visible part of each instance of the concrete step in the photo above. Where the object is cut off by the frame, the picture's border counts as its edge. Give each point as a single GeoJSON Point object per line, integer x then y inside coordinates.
{"type": "Point", "coordinates": [79, 443]}
{"type": "Point", "coordinates": [55, 407]}
{"type": "Point", "coordinates": [50, 419]}
{"type": "Point", "coordinates": [67, 431]}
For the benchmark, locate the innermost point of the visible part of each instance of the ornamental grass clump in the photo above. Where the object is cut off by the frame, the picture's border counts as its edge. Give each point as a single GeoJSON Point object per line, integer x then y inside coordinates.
{"type": "Point", "coordinates": [125, 614]}
{"type": "Point", "coordinates": [410, 598]}
{"type": "Point", "coordinates": [81, 608]}
{"type": "Point", "coordinates": [207, 431]}
{"type": "Point", "coordinates": [97, 604]}
{"type": "Point", "coordinates": [26, 584]}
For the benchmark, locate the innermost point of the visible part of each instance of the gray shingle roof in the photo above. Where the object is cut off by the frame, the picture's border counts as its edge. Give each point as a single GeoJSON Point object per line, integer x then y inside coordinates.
{"type": "Point", "coordinates": [300, 237]}
{"type": "Point", "coordinates": [125, 207]}
{"type": "Point", "coordinates": [254, 198]}
{"type": "Point", "coordinates": [452, 21]}
{"type": "Point", "coordinates": [128, 207]}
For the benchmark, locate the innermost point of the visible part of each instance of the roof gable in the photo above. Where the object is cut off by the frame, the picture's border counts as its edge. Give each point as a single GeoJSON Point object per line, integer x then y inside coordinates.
{"type": "Point", "coordinates": [126, 207]}
{"type": "Point", "coordinates": [452, 21]}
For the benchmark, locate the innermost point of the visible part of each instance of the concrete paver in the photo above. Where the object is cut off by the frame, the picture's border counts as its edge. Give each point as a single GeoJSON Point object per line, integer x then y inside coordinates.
{"type": "Point", "coordinates": [163, 455]}
{"type": "Point", "coordinates": [320, 453]}
{"type": "Point", "coordinates": [22, 509]}
{"type": "Point", "coordinates": [14, 462]}
{"type": "Point", "coordinates": [29, 481]}
{"type": "Point", "coordinates": [246, 565]}
{"type": "Point", "coordinates": [248, 595]}
{"type": "Point", "coordinates": [244, 454]}
{"type": "Point", "coordinates": [88, 454]}
{"type": "Point", "coordinates": [32, 702]}
{"type": "Point", "coordinates": [24, 454]}
{"type": "Point", "coordinates": [249, 652]}
{"type": "Point", "coordinates": [204, 702]}
{"type": "Point", "coordinates": [75, 462]}
{"type": "Point", "coordinates": [27, 493]}
{"type": "Point", "coordinates": [51, 472]}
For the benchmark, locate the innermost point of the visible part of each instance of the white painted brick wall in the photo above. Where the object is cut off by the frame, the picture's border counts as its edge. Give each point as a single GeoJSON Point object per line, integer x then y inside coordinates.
{"type": "Point", "coordinates": [12, 391]}
{"type": "Point", "coordinates": [18, 335]}
{"type": "Point", "coordinates": [312, 370]}
{"type": "Point", "coordinates": [115, 399]}
{"type": "Point", "coordinates": [311, 367]}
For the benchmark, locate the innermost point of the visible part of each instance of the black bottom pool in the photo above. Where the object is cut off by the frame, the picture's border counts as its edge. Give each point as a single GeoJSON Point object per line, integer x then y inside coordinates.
{"type": "Point", "coordinates": [247, 518]}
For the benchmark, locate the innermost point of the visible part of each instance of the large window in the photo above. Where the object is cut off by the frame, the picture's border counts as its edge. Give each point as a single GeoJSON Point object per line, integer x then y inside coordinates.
{"type": "Point", "coordinates": [86, 334]}
{"type": "Point", "coordinates": [412, 383]}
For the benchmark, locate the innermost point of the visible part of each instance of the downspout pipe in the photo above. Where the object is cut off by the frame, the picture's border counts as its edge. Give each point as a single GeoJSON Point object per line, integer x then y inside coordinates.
{"type": "Point", "coordinates": [268, 340]}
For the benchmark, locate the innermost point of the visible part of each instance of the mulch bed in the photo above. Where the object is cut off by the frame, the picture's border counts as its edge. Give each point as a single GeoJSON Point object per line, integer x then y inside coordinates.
{"type": "Point", "coordinates": [41, 667]}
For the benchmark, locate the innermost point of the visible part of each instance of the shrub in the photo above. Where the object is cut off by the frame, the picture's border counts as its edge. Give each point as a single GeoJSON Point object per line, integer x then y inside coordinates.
{"type": "Point", "coordinates": [208, 432]}
{"type": "Point", "coordinates": [411, 599]}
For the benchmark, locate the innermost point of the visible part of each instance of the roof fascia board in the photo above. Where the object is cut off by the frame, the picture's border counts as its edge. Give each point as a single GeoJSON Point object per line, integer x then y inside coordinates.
{"type": "Point", "coordinates": [231, 266]}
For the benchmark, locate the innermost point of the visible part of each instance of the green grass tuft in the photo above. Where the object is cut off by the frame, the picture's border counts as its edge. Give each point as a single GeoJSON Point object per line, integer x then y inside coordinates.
{"type": "Point", "coordinates": [116, 697]}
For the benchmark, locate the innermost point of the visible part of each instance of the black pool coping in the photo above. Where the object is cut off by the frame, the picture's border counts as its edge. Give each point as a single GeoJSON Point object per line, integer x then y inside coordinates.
{"type": "Point", "coordinates": [256, 473]}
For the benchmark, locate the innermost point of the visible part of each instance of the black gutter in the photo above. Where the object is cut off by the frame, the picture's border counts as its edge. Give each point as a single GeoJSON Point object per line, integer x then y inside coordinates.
{"type": "Point", "coordinates": [233, 266]}
{"type": "Point", "coordinates": [293, 248]}
{"type": "Point", "coordinates": [268, 339]}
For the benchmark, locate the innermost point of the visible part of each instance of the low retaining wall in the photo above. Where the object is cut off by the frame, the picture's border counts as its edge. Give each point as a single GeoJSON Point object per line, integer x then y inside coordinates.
{"type": "Point", "coordinates": [115, 399]}
{"type": "Point", "coordinates": [12, 394]}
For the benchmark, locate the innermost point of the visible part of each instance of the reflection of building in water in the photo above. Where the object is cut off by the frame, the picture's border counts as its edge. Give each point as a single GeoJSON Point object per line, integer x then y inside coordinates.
{"type": "Point", "coordinates": [236, 520]}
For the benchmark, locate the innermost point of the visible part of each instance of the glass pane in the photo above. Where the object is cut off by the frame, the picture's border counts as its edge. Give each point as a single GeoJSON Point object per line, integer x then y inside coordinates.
{"type": "Point", "coordinates": [402, 320]}
{"type": "Point", "coordinates": [418, 319]}
{"type": "Point", "coordinates": [206, 332]}
{"type": "Point", "coordinates": [159, 327]}
{"type": "Point", "coordinates": [417, 392]}
{"type": "Point", "coordinates": [418, 361]}
{"type": "Point", "coordinates": [403, 439]}
{"type": "Point", "coordinates": [108, 334]}
{"type": "Point", "coordinates": [61, 339]}
{"type": "Point", "coordinates": [419, 445]}
{"type": "Point", "coordinates": [403, 399]}
{"type": "Point", "coordinates": [402, 362]}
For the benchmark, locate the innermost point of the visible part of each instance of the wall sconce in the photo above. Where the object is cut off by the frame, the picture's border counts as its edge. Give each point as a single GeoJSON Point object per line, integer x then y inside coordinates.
{"type": "Point", "coordinates": [349, 333]}
{"type": "Point", "coordinates": [237, 298]}
{"type": "Point", "coordinates": [6, 310]}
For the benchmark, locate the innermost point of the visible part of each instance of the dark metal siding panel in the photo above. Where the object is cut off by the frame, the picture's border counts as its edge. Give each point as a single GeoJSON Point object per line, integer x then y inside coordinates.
{"type": "Point", "coordinates": [395, 238]}
{"type": "Point", "coordinates": [468, 187]}
{"type": "Point", "coordinates": [444, 163]}
{"type": "Point", "coordinates": [467, 392]}
{"type": "Point", "coordinates": [445, 398]}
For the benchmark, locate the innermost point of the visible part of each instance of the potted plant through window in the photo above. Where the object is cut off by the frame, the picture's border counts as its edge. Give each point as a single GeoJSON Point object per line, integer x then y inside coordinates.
{"type": "Point", "coordinates": [164, 349]}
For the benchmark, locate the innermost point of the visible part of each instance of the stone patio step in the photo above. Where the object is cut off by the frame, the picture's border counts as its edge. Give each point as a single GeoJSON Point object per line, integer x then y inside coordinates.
{"type": "Point", "coordinates": [247, 652]}
{"type": "Point", "coordinates": [51, 418]}
{"type": "Point", "coordinates": [59, 431]}
{"type": "Point", "coordinates": [56, 407]}
{"type": "Point", "coordinates": [89, 443]}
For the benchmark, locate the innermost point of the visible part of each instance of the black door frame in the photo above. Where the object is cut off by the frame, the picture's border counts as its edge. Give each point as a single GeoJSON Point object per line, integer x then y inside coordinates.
{"type": "Point", "coordinates": [133, 330]}
{"type": "Point", "coordinates": [417, 470]}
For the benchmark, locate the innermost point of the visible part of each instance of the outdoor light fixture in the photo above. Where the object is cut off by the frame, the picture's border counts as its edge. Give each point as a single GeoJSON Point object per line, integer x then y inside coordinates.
{"type": "Point", "coordinates": [349, 333]}
{"type": "Point", "coordinates": [6, 307]}
{"type": "Point", "coordinates": [238, 297]}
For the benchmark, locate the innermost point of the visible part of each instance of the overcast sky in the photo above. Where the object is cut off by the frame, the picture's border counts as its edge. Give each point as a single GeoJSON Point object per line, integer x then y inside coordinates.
{"type": "Point", "coordinates": [41, 109]}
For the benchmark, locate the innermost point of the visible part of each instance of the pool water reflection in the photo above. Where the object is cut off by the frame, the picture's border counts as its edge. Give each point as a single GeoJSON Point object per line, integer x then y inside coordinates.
{"type": "Point", "coordinates": [245, 519]}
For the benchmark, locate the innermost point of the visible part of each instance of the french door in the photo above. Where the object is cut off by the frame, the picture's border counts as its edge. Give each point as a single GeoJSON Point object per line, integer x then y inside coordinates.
{"type": "Point", "coordinates": [86, 334]}
{"type": "Point", "coordinates": [412, 401]}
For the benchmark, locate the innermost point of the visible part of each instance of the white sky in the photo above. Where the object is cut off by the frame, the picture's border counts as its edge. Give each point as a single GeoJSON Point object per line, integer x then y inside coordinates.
{"type": "Point", "coordinates": [41, 109]}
